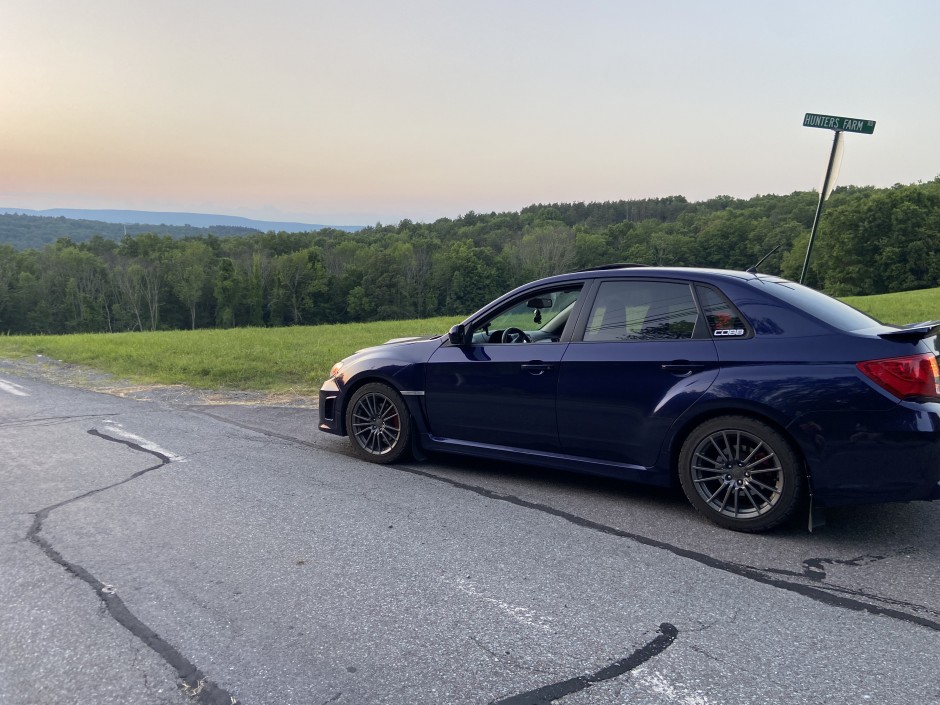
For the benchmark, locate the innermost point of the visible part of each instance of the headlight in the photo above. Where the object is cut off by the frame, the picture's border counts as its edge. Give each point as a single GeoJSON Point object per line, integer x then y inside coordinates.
{"type": "Point", "coordinates": [335, 369]}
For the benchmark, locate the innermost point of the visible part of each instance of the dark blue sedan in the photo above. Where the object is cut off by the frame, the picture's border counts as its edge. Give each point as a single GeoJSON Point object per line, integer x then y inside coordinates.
{"type": "Point", "coordinates": [756, 394]}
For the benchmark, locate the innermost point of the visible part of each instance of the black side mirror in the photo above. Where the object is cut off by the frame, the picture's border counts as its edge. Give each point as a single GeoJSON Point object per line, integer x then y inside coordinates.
{"type": "Point", "coordinates": [458, 335]}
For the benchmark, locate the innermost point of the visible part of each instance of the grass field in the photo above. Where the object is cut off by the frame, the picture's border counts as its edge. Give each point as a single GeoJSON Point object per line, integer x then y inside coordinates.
{"type": "Point", "coordinates": [293, 360]}
{"type": "Point", "coordinates": [903, 307]}
{"type": "Point", "coordinates": [297, 360]}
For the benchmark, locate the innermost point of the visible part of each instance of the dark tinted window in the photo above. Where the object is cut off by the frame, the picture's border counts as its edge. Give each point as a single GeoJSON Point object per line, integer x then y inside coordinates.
{"type": "Point", "coordinates": [639, 310]}
{"type": "Point", "coordinates": [815, 303]}
{"type": "Point", "coordinates": [720, 315]}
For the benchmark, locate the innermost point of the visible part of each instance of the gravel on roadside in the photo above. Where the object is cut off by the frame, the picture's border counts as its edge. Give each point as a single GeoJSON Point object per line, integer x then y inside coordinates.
{"type": "Point", "coordinates": [46, 369]}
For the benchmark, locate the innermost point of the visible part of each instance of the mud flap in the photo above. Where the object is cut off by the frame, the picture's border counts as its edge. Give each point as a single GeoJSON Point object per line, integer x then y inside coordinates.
{"type": "Point", "coordinates": [817, 516]}
{"type": "Point", "coordinates": [417, 452]}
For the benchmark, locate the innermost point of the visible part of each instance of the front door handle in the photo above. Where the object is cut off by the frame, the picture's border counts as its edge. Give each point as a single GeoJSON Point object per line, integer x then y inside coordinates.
{"type": "Point", "coordinates": [536, 368]}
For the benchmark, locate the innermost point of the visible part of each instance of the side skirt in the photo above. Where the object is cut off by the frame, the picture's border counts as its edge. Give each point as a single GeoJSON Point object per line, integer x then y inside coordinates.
{"type": "Point", "coordinates": [556, 461]}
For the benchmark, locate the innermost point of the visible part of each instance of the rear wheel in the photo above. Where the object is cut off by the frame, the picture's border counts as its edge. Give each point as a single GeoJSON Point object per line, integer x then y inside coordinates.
{"type": "Point", "coordinates": [740, 473]}
{"type": "Point", "coordinates": [378, 423]}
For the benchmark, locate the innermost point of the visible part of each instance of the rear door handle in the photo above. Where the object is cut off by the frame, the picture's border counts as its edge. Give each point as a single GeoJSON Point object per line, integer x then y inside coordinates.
{"type": "Point", "coordinates": [683, 368]}
{"type": "Point", "coordinates": [536, 368]}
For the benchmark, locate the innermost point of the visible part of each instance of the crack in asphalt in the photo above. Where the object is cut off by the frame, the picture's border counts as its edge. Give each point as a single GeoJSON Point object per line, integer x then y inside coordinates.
{"type": "Point", "coordinates": [856, 593]}
{"type": "Point", "coordinates": [501, 658]}
{"type": "Point", "coordinates": [194, 682]}
{"type": "Point", "coordinates": [813, 570]}
{"type": "Point", "coordinates": [248, 427]}
{"type": "Point", "coordinates": [549, 693]}
{"type": "Point", "coordinates": [831, 595]}
{"type": "Point", "coordinates": [813, 567]}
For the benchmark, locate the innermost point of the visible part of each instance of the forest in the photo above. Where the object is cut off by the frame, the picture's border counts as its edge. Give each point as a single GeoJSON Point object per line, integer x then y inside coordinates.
{"type": "Point", "coordinates": [870, 241]}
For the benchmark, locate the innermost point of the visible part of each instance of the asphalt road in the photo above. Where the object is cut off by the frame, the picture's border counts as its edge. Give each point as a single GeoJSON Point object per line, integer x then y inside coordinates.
{"type": "Point", "coordinates": [152, 554]}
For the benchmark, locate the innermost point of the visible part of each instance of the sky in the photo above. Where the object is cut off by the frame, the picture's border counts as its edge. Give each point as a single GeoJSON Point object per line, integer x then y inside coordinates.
{"type": "Point", "coordinates": [365, 111]}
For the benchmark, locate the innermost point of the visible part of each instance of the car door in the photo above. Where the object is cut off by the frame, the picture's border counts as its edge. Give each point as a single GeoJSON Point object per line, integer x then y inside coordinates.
{"type": "Point", "coordinates": [498, 390]}
{"type": "Point", "coordinates": [643, 357]}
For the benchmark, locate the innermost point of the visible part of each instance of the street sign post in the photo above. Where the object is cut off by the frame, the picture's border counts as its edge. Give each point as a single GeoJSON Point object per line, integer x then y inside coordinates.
{"type": "Point", "coordinates": [839, 125]}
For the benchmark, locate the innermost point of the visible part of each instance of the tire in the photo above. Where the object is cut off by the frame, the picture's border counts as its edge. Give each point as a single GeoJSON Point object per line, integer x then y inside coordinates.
{"type": "Point", "coordinates": [378, 423]}
{"type": "Point", "coordinates": [740, 473]}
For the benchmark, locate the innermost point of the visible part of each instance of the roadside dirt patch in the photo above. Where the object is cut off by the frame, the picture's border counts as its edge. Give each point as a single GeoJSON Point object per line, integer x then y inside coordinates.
{"type": "Point", "coordinates": [46, 369]}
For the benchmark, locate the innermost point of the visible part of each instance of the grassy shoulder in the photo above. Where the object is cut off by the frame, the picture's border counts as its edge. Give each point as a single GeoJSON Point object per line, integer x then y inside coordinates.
{"type": "Point", "coordinates": [294, 360]}
{"type": "Point", "coordinates": [297, 360]}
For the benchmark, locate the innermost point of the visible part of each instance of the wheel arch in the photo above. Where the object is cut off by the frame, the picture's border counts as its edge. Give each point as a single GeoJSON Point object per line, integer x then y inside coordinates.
{"type": "Point", "coordinates": [349, 390]}
{"type": "Point", "coordinates": [686, 425]}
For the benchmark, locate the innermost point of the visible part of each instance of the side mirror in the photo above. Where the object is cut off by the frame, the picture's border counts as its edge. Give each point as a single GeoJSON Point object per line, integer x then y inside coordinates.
{"type": "Point", "coordinates": [458, 335]}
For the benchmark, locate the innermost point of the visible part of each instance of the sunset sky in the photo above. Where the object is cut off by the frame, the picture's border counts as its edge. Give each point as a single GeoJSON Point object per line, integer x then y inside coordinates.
{"type": "Point", "coordinates": [374, 110]}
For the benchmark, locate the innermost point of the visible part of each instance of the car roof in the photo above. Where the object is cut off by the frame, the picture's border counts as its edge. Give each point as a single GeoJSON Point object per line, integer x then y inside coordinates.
{"type": "Point", "coordinates": [639, 270]}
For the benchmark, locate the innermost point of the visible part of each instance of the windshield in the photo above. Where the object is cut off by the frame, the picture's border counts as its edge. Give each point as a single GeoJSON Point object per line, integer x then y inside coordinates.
{"type": "Point", "coordinates": [825, 308]}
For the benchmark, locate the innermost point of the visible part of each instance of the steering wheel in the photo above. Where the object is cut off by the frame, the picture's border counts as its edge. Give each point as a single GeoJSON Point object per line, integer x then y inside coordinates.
{"type": "Point", "coordinates": [515, 335]}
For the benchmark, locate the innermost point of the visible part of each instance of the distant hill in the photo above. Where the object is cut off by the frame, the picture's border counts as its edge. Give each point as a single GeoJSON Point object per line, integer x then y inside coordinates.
{"type": "Point", "coordinates": [24, 228]}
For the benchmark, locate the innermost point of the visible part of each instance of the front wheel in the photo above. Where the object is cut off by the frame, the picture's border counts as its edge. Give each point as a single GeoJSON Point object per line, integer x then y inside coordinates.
{"type": "Point", "coordinates": [740, 473]}
{"type": "Point", "coordinates": [378, 423]}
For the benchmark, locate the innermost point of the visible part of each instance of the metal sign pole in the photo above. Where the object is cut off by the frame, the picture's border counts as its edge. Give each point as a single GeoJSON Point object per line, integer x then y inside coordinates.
{"type": "Point", "coordinates": [839, 125]}
{"type": "Point", "coordinates": [823, 193]}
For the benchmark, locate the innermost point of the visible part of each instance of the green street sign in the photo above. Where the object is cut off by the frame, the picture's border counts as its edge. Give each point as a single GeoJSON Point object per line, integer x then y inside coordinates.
{"type": "Point", "coordinates": [842, 124]}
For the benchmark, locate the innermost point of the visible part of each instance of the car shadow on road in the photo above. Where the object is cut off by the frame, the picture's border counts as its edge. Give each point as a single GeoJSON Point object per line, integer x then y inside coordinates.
{"type": "Point", "coordinates": [870, 524]}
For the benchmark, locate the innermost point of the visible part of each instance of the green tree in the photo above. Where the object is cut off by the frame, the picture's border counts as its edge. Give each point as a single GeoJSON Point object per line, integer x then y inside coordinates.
{"type": "Point", "coordinates": [259, 279]}
{"type": "Point", "coordinates": [189, 273]}
{"type": "Point", "coordinates": [227, 290]}
{"type": "Point", "coordinates": [888, 241]}
{"type": "Point", "coordinates": [128, 281]}
{"type": "Point", "coordinates": [8, 274]}
{"type": "Point", "coordinates": [469, 277]}
{"type": "Point", "coordinates": [295, 272]}
{"type": "Point", "coordinates": [546, 250]}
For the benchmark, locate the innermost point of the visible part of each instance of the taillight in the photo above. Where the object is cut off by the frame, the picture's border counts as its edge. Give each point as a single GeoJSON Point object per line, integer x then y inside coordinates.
{"type": "Point", "coordinates": [911, 376]}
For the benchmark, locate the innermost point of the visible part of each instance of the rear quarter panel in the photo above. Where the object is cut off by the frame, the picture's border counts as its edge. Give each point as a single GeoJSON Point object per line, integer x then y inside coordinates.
{"type": "Point", "coordinates": [799, 374]}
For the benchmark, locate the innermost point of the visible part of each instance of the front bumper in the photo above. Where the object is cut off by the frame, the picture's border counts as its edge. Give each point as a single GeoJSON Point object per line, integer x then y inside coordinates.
{"type": "Point", "coordinates": [331, 414]}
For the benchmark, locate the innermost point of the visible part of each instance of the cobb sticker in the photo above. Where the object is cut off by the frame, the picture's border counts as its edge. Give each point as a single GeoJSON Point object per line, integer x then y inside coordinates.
{"type": "Point", "coordinates": [730, 332]}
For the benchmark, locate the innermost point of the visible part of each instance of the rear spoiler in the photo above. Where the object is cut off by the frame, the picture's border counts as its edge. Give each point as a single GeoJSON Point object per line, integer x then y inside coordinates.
{"type": "Point", "coordinates": [913, 332]}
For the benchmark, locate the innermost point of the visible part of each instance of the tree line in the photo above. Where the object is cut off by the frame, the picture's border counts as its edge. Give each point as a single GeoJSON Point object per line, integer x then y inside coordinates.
{"type": "Point", "coordinates": [870, 241]}
{"type": "Point", "coordinates": [25, 231]}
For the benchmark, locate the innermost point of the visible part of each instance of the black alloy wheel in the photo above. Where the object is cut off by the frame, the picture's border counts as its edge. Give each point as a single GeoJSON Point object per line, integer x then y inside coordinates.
{"type": "Point", "coordinates": [378, 423]}
{"type": "Point", "coordinates": [740, 473]}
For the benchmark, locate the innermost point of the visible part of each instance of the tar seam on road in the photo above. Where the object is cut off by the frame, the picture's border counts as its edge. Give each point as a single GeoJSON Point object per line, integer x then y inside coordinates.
{"type": "Point", "coordinates": [756, 574]}
{"type": "Point", "coordinates": [759, 575]}
{"type": "Point", "coordinates": [195, 684]}
{"type": "Point", "coordinates": [549, 693]}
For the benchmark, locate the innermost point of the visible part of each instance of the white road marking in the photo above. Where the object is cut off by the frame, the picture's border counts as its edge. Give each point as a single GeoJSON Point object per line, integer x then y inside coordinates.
{"type": "Point", "coordinates": [676, 693]}
{"type": "Point", "coordinates": [14, 389]}
{"type": "Point", "coordinates": [520, 614]}
{"type": "Point", "coordinates": [115, 429]}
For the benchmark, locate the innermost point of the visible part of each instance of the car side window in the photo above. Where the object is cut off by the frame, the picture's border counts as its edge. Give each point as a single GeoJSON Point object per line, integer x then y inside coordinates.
{"type": "Point", "coordinates": [534, 318]}
{"type": "Point", "coordinates": [722, 318]}
{"type": "Point", "coordinates": [641, 311]}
